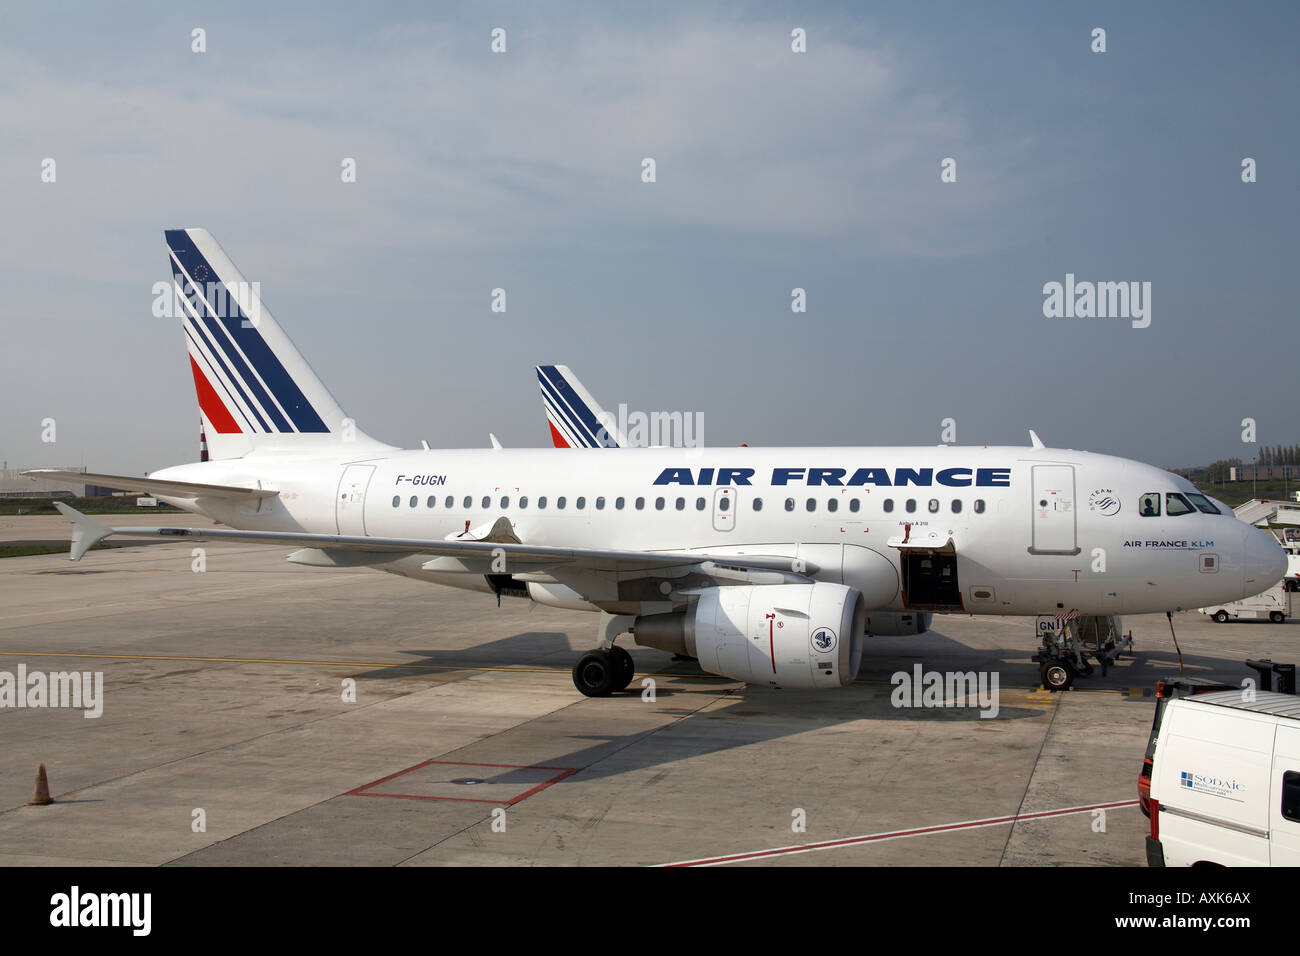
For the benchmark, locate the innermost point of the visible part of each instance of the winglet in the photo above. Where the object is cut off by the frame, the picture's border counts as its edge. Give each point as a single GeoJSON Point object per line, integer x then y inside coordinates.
{"type": "Point", "coordinates": [86, 532]}
{"type": "Point", "coordinates": [1035, 440]}
{"type": "Point", "coordinates": [495, 444]}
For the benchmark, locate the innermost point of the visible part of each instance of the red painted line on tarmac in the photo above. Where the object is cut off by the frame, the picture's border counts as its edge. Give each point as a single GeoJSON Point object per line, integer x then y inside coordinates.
{"type": "Point", "coordinates": [899, 834]}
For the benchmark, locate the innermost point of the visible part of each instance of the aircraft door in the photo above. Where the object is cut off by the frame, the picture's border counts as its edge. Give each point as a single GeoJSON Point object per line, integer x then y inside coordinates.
{"type": "Point", "coordinates": [350, 499]}
{"type": "Point", "coordinates": [1054, 526]}
{"type": "Point", "coordinates": [724, 509]}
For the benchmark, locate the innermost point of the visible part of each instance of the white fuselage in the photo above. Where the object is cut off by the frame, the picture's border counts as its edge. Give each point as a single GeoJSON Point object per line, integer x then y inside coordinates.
{"type": "Point", "coordinates": [1033, 530]}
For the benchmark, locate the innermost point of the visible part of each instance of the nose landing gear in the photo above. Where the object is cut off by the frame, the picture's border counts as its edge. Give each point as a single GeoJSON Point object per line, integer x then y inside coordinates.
{"type": "Point", "coordinates": [1071, 644]}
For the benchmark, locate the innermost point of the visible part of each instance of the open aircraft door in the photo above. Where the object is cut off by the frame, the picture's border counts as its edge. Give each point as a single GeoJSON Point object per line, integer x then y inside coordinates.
{"type": "Point", "coordinates": [928, 560]}
{"type": "Point", "coordinates": [350, 500]}
{"type": "Point", "coordinates": [1054, 524]}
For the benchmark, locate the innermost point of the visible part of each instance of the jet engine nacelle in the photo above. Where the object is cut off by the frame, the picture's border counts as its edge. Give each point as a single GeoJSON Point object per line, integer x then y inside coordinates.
{"type": "Point", "coordinates": [782, 635]}
{"type": "Point", "coordinates": [888, 623]}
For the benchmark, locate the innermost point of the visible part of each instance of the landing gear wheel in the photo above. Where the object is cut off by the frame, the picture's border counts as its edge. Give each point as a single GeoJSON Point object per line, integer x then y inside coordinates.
{"type": "Point", "coordinates": [1221, 617]}
{"type": "Point", "coordinates": [624, 667]}
{"type": "Point", "coordinates": [1056, 675]}
{"type": "Point", "coordinates": [597, 673]}
{"type": "Point", "coordinates": [1277, 617]}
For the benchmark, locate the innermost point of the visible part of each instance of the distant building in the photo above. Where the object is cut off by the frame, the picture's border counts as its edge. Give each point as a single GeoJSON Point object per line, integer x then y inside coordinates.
{"type": "Point", "coordinates": [1263, 472]}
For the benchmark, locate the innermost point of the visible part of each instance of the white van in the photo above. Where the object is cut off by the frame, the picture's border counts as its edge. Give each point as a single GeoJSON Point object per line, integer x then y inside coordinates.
{"type": "Point", "coordinates": [1225, 781]}
{"type": "Point", "coordinates": [1273, 604]}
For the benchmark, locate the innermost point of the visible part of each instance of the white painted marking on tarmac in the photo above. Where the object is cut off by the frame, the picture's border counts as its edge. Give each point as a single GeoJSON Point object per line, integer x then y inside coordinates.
{"type": "Point", "coordinates": [897, 835]}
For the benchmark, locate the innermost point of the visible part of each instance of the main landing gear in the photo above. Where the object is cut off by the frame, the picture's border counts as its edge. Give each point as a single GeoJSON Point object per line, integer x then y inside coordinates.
{"type": "Point", "coordinates": [604, 671]}
{"type": "Point", "coordinates": [609, 668]}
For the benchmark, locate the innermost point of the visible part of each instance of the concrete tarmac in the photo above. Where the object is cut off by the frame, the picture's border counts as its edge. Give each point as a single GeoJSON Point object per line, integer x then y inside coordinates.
{"type": "Point", "coordinates": [256, 712]}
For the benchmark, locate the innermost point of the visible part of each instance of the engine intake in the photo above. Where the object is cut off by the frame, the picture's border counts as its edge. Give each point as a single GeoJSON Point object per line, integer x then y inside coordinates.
{"type": "Point", "coordinates": [781, 635]}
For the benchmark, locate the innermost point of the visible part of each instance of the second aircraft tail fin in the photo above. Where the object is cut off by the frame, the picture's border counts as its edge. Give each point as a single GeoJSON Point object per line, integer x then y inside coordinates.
{"type": "Point", "coordinates": [575, 417]}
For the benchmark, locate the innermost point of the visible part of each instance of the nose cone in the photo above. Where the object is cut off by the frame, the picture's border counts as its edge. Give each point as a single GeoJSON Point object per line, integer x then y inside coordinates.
{"type": "Point", "coordinates": [1265, 562]}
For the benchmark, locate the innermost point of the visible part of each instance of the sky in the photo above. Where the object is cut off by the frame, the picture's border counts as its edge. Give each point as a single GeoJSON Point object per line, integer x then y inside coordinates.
{"type": "Point", "coordinates": [774, 171]}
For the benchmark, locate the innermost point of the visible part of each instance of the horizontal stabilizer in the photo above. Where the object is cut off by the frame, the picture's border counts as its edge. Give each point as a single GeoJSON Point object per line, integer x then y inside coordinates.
{"type": "Point", "coordinates": [153, 486]}
{"type": "Point", "coordinates": [86, 531]}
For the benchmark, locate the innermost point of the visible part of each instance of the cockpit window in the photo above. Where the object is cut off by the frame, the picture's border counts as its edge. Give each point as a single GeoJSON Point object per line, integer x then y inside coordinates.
{"type": "Point", "coordinates": [1149, 505]}
{"type": "Point", "coordinates": [1176, 504]}
{"type": "Point", "coordinates": [1203, 504]}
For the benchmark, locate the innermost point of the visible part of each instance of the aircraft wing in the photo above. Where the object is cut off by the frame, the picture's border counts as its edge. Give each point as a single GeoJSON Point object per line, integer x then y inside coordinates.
{"type": "Point", "coordinates": [153, 486]}
{"type": "Point", "coordinates": [518, 557]}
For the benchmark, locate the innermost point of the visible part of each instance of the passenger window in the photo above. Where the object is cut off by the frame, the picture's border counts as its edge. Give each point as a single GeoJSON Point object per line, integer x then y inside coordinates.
{"type": "Point", "coordinates": [618, 504]}
{"type": "Point", "coordinates": [541, 502]}
{"type": "Point", "coordinates": [811, 504]}
{"type": "Point", "coordinates": [600, 504]}
{"type": "Point", "coordinates": [956, 506]}
{"type": "Point", "coordinates": [789, 504]}
{"type": "Point", "coordinates": [487, 502]}
{"type": "Point", "coordinates": [699, 504]}
{"type": "Point", "coordinates": [911, 505]}
{"type": "Point", "coordinates": [560, 502]}
{"type": "Point", "coordinates": [853, 504]}
{"type": "Point", "coordinates": [934, 506]}
{"type": "Point", "coordinates": [659, 504]}
{"type": "Point", "coordinates": [681, 504]}
{"type": "Point", "coordinates": [832, 504]}
{"type": "Point", "coordinates": [468, 502]}
{"type": "Point", "coordinates": [758, 504]}
{"type": "Point", "coordinates": [450, 501]}
{"type": "Point", "coordinates": [640, 503]}
{"type": "Point", "coordinates": [414, 501]}
{"type": "Point", "coordinates": [1176, 504]}
{"type": "Point", "coordinates": [505, 502]}
{"type": "Point", "coordinates": [1149, 505]}
{"type": "Point", "coordinates": [889, 505]}
{"type": "Point", "coordinates": [979, 506]}
{"type": "Point", "coordinates": [431, 502]}
{"type": "Point", "coordinates": [523, 501]}
{"type": "Point", "coordinates": [397, 500]}
{"type": "Point", "coordinates": [1203, 504]}
{"type": "Point", "coordinates": [724, 504]}
{"type": "Point", "coordinates": [580, 503]}
{"type": "Point", "coordinates": [1291, 795]}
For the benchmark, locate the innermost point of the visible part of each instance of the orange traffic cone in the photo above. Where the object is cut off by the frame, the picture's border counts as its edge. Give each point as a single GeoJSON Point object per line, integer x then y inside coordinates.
{"type": "Point", "coordinates": [41, 795]}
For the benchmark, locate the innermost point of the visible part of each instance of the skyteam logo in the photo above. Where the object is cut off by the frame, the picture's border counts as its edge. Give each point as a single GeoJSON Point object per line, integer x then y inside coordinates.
{"type": "Point", "coordinates": [823, 640]}
{"type": "Point", "coordinates": [1104, 502]}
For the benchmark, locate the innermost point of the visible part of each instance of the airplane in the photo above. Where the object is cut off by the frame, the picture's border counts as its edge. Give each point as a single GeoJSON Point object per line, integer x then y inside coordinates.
{"type": "Point", "coordinates": [770, 566]}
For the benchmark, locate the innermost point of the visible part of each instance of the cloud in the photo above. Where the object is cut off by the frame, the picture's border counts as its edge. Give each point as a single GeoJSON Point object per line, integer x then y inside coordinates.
{"type": "Point", "coordinates": [459, 148]}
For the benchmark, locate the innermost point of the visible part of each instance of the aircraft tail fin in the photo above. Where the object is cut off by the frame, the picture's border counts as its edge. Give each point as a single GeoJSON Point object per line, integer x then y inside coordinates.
{"type": "Point", "coordinates": [575, 417]}
{"type": "Point", "coordinates": [255, 389]}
